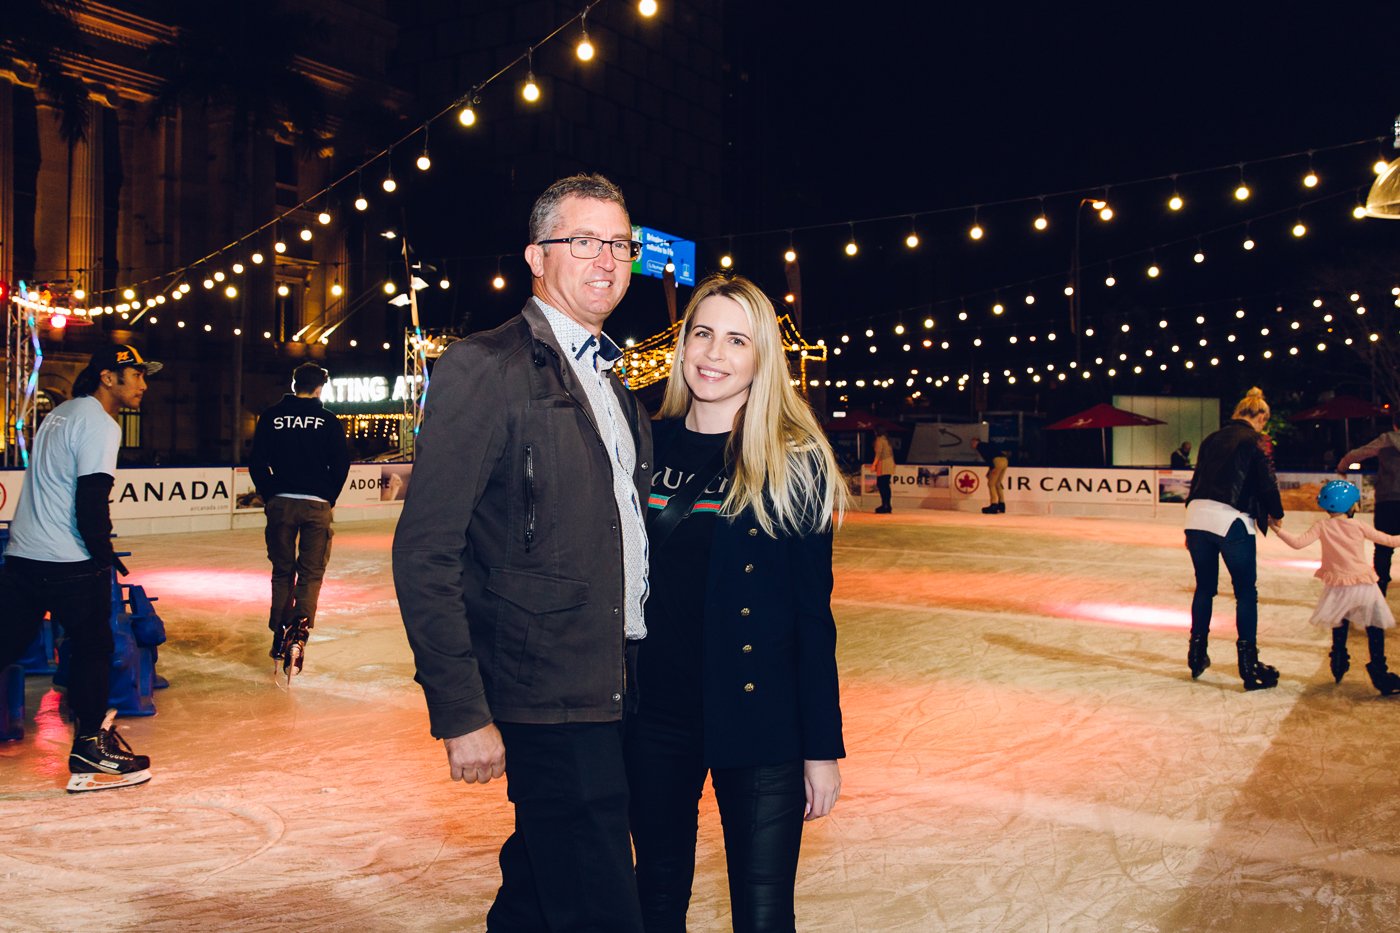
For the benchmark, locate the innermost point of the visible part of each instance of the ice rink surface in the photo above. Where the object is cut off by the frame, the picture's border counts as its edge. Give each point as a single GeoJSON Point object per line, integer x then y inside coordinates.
{"type": "Point", "coordinates": [1027, 752]}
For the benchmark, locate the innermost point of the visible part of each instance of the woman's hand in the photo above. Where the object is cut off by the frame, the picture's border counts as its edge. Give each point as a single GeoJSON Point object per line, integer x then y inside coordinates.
{"type": "Point", "coordinates": [823, 782]}
{"type": "Point", "coordinates": [1275, 523]}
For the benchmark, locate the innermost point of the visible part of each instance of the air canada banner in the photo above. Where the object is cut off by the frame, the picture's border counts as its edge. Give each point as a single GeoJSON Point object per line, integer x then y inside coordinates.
{"type": "Point", "coordinates": [937, 487]}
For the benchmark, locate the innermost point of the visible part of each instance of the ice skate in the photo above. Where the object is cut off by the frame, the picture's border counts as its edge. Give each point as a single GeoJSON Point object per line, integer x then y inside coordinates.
{"type": "Point", "coordinates": [294, 647]}
{"type": "Point", "coordinates": [104, 760]}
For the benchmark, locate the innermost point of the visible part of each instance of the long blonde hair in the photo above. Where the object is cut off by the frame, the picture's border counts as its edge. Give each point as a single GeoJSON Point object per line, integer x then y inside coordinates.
{"type": "Point", "coordinates": [1252, 404]}
{"type": "Point", "coordinates": [784, 468]}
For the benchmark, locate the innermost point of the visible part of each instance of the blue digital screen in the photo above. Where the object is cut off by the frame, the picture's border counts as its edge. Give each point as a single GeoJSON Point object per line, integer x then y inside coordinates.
{"type": "Point", "coordinates": [660, 248]}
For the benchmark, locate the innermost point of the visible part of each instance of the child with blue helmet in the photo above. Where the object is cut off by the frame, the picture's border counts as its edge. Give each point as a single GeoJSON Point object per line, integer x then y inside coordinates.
{"type": "Point", "coordinates": [1350, 596]}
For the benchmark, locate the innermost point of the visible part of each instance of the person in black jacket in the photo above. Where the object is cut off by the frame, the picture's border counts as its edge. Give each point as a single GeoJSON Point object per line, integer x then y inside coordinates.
{"type": "Point", "coordinates": [1233, 496]}
{"type": "Point", "coordinates": [300, 461]}
{"type": "Point", "coordinates": [520, 567]}
{"type": "Point", "coordinates": [737, 676]}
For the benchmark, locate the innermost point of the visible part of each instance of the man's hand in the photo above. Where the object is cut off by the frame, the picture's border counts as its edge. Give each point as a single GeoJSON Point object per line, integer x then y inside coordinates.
{"type": "Point", "coordinates": [477, 756]}
{"type": "Point", "coordinates": [823, 782]}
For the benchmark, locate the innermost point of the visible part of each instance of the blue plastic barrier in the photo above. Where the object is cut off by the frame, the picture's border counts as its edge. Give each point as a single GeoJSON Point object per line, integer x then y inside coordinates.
{"type": "Point", "coordinates": [12, 703]}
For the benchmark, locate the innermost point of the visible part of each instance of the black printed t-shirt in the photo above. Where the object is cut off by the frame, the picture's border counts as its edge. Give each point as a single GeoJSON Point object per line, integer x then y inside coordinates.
{"type": "Point", "coordinates": [668, 672]}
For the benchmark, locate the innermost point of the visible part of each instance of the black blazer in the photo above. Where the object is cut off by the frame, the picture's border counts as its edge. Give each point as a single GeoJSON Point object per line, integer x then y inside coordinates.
{"type": "Point", "coordinates": [769, 670]}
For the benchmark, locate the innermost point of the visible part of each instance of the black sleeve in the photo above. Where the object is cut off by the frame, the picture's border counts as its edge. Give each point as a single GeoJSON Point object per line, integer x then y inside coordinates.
{"type": "Point", "coordinates": [95, 516]}
{"type": "Point", "coordinates": [337, 456]}
{"type": "Point", "coordinates": [257, 465]}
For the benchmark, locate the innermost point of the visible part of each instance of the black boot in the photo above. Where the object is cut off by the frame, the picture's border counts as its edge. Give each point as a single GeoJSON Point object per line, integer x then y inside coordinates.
{"type": "Point", "coordinates": [1196, 657]}
{"type": "Point", "coordinates": [1255, 674]}
{"type": "Point", "coordinates": [1341, 661]}
{"type": "Point", "coordinates": [1381, 676]}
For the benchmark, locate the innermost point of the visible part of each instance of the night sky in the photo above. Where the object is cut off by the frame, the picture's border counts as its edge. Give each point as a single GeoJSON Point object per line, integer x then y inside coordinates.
{"type": "Point", "coordinates": [923, 107]}
{"type": "Point", "coordinates": [916, 112]}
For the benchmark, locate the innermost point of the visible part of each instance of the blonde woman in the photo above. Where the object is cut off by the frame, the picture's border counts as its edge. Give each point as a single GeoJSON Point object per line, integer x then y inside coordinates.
{"type": "Point", "coordinates": [1233, 497]}
{"type": "Point", "coordinates": [737, 675]}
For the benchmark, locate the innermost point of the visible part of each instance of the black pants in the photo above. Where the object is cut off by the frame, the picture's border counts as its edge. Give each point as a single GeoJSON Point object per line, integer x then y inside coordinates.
{"type": "Point", "coordinates": [568, 865]}
{"type": "Point", "coordinates": [1237, 549]}
{"type": "Point", "coordinates": [79, 597]}
{"type": "Point", "coordinates": [298, 537]}
{"type": "Point", "coordinates": [760, 808]}
{"type": "Point", "coordinates": [1387, 520]}
{"type": "Point", "coordinates": [882, 483]}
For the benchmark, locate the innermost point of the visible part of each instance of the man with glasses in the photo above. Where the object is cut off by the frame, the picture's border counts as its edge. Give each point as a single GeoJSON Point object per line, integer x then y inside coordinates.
{"type": "Point", "coordinates": [520, 564]}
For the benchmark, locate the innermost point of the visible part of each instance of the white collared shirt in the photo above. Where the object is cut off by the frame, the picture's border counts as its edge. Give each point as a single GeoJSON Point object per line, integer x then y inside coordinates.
{"type": "Point", "coordinates": [591, 358]}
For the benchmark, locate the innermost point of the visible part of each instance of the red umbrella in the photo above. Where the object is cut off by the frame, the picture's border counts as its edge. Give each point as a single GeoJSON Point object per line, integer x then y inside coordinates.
{"type": "Point", "coordinates": [1340, 408]}
{"type": "Point", "coordinates": [862, 421]}
{"type": "Point", "coordinates": [1103, 416]}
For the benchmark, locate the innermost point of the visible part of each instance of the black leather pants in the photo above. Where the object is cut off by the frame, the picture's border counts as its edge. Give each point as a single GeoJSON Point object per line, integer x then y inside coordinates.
{"type": "Point", "coordinates": [761, 810]}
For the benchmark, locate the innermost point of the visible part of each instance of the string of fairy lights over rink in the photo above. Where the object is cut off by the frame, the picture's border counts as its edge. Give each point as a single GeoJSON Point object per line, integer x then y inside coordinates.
{"type": "Point", "coordinates": [1150, 342]}
{"type": "Point", "coordinates": [155, 298]}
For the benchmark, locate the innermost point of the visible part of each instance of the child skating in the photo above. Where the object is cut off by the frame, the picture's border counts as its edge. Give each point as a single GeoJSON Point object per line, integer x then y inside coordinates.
{"type": "Point", "coordinates": [1349, 590]}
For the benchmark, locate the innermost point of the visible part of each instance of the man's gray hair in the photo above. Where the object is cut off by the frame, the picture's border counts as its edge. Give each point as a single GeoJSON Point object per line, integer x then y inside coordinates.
{"type": "Point", "coordinates": [545, 215]}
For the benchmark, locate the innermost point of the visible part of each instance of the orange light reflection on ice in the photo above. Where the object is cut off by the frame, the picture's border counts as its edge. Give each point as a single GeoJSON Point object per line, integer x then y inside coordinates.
{"type": "Point", "coordinates": [1129, 614]}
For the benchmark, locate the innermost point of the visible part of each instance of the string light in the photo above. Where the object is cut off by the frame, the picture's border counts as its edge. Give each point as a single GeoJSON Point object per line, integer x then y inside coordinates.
{"type": "Point", "coordinates": [975, 231]}
{"type": "Point", "coordinates": [584, 49]}
{"type": "Point", "coordinates": [1242, 191]}
{"type": "Point", "coordinates": [424, 162]}
{"type": "Point", "coordinates": [1310, 179]}
{"type": "Point", "coordinates": [279, 247]}
{"type": "Point", "coordinates": [1041, 222]}
{"type": "Point", "coordinates": [238, 268]}
{"type": "Point", "coordinates": [337, 289]}
{"type": "Point", "coordinates": [323, 218]}
{"type": "Point", "coordinates": [305, 234]}
{"type": "Point", "coordinates": [361, 203]}
{"type": "Point", "coordinates": [851, 247]}
{"type": "Point", "coordinates": [1300, 229]}
{"type": "Point", "coordinates": [912, 240]}
{"type": "Point", "coordinates": [467, 115]}
{"type": "Point", "coordinates": [257, 259]}
{"type": "Point", "coordinates": [726, 261]}
{"type": "Point", "coordinates": [231, 291]}
{"type": "Point", "coordinates": [531, 90]}
{"type": "Point", "coordinates": [388, 184]}
{"type": "Point", "coordinates": [647, 7]}
{"type": "Point", "coordinates": [283, 291]}
{"type": "Point", "coordinates": [390, 287]}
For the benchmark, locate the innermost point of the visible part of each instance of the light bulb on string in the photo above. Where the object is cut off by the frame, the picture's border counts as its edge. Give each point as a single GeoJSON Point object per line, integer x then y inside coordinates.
{"type": "Point", "coordinates": [1310, 179]}
{"type": "Point", "coordinates": [208, 283]}
{"type": "Point", "coordinates": [647, 7]}
{"type": "Point", "coordinates": [1175, 202]}
{"type": "Point", "coordinates": [975, 231]}
{"type": "Point", "coordinates": [791, 254]}
{"type": "Point", "coordinates": [1380, 166]}
{"type": "Point", "coordinates": [283, 291]}
{"type": "Point", "coordinates": [337, 289]}
{"type": "Point", "coordinates": [530, 91]}
{"type": "Point", "coordinates": [499, 281]}
{"type": "Point", "coordinates": [584, 50]}
{"type": "Point", "coordinates": [467, 115]}
{"type": "Point", "coordinates": [279, 247]}
{"type": "Point", "coordinates": [424, 162]}
{"type": "Point", "coordinates": [1359, 212]}
{"type": "Point", "coordinates": [237, 268]}
{"type": "Point", "coordinates": [231, 291]}
{"type": "Point", "coordinates": [1300, 229]}
{"type": "Point", "coordinates": [390, 287]}
{"type": "Point", "coordinates": [726, 261]}
{"type": "Point", "coordinates": [219, 276]}
{"type": "Point", "coordinates": [323, 218]}
{"type": "Point", "coordinates": [184, 287]}
{"type": "Point", "coordinates": [129, 294]}
{"type": "Point", "coordinates": [1041, 222]}
{"type": "Point", "coordinates": [1242, 190]}
{"type": "Point", "coordinates": [912, 240]}
{"type": "Point", "coordinates": [257, 258]}
{"type": "Point", "coordinates": [305, 234]}
{"type": "Point", "coordinates": [851, 247]}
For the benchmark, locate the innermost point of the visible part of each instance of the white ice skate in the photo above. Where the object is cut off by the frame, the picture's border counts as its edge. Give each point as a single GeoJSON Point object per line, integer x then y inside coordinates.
{"type": "Point", "coordinates": [101, 780]}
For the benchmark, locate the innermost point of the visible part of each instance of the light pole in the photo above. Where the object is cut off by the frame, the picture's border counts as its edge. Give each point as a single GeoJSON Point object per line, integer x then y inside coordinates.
{"type": "Point", "coordinates": [1075, 307]}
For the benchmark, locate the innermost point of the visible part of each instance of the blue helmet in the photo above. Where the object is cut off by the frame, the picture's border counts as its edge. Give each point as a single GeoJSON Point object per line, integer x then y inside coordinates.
{"type": "Point", "coordinates": [1337, 495]}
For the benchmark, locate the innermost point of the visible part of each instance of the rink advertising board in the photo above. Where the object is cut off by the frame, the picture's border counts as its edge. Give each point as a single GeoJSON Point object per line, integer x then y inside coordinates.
{"type": "Point", "coordinates": [367, 484]}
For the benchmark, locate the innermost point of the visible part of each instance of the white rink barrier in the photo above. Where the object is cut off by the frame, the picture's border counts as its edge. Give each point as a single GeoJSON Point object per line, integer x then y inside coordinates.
{"type": "Point", "coordinates": [1046, 490]}
{"type": "Point", "coordinates": [157, 500]}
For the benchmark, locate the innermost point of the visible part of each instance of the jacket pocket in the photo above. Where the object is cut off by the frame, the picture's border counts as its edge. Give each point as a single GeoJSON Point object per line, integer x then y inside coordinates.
{"type": "Point", "coordinates": [520, 634]}
{"type": "Point", "coordinates": [528, 482]}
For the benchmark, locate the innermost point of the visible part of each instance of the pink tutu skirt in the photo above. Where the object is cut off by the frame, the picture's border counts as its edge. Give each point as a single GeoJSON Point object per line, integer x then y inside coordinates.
{"type": "Point", "coordinates": [1362, 604]}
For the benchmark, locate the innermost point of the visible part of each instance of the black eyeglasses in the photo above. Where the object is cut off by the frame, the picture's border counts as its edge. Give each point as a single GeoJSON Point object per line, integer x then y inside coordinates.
{"type": "Point", "coordinates": [591, 247]}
